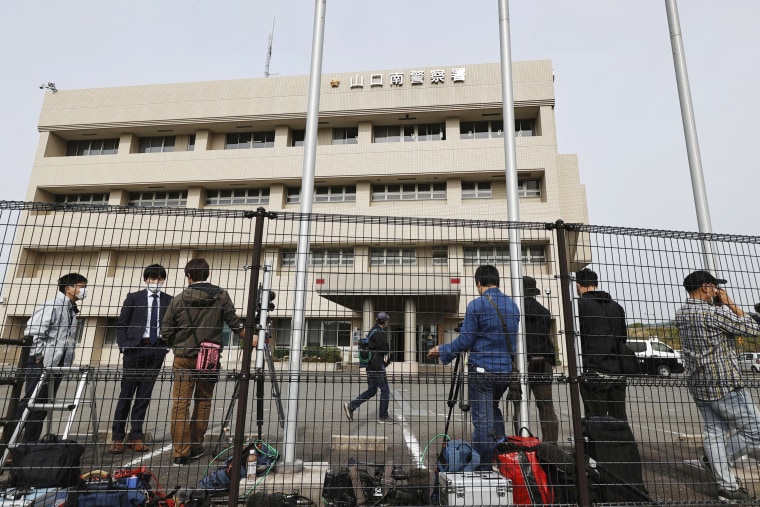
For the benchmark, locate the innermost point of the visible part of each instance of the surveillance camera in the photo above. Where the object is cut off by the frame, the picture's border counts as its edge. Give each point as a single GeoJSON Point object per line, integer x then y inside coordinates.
{"type": "Point", "coordinates": [42, 86]}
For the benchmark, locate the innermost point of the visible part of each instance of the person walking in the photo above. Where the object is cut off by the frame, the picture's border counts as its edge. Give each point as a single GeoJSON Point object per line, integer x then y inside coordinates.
{"type": "Point", "coordinates": [708, 323]}
{"type": "Point", "coordinates": [143, 348]}
{"type": "Point", "coordinates": [376, 376]}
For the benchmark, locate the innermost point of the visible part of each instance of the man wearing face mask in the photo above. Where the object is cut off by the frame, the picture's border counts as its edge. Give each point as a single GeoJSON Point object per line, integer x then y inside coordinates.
{"type": "Point", "coordinates": [53, 328]}
{"type": "Point", "coordinates": [138, 334]}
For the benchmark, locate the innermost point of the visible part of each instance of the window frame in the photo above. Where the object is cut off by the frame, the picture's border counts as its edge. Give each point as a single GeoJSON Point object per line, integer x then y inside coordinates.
{"type": "Point", "coordinates": [438, 191]}
{"type": "Point", "coordinates": [156, 202]}
{"type": "Point", "coordinates": [237, 196]}
{"type": "Point", "coordinates": [345, 135]}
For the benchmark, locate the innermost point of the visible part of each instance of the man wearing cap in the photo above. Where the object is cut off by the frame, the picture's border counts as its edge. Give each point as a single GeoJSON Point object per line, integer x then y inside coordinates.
{"type": "Point", "coordinates": [708, 323]}
{"type": "Point", "coordinates": [602, 328]}
{"type": "Point", "coordinates": [376, 377]}
{"type": "Point", "coordinates": [489, 334]}
{"type": "Point", "coordinates": [540, 349]}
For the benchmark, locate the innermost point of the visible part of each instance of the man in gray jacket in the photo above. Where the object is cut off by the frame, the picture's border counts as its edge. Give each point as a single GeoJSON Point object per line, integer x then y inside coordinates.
{"type": "Point", "coordinates": [195, 316]}
{"type": "Point", "coordinates": [53, 328]}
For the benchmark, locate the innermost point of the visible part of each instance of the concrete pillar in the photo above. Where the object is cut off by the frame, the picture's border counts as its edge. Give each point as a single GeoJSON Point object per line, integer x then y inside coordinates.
{"type": "Point", "coordinates": [410, 330]}
{"type": "Point", "coordinates": [368, 315]}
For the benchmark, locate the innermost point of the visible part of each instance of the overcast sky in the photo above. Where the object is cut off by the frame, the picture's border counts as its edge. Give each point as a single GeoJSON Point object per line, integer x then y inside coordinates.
{"type": "Point", "coordinates": [617, 101]}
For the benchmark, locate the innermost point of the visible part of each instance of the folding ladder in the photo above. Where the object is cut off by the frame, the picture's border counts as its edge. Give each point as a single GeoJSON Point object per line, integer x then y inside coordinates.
{"type": "Point", "coordinates": [48, 376]}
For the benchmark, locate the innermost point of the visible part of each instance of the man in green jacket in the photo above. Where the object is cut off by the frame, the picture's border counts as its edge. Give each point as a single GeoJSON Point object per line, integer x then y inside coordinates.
{"type": "Point", "coordinates": [196, 315]}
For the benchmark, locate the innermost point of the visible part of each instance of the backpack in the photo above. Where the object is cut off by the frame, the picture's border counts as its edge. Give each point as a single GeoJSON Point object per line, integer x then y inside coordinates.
{"type": "Point", "coordinates": [517, 460]}
{"type": "Point", "coordinates": [365, 354]}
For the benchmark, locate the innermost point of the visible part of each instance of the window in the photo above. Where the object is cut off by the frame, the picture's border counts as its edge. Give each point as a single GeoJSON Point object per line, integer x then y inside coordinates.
{"type": "Point", "coordinates": [324, 194]}
{"type": "Point", "coordinates": [92, 147]}
{"type": "Point", "coordinates": [533, 254]}
{"type": "Point", "coordinates": [157, 199]}
{"type": "Point", "coordinates": [237, 196]}
{"type": "Point", "coordinates": [328, 333]}
{"type": "Point", "coordinates": [345, 136]}
{"type": "Point", "coordinates": [294, 195]}
{"type": "Point", "coordinates": [82, 198]}
{"type": "Point", "coordinates": [109, 337]}
{"type": "Point", "coordinates": [525, 128]}
{"type": "Point", "coordinates": [440, 256]}
{"type": "Point", "coordinates": [529, 188]}
{"type": "Point", "coordinates": [245, 140]}
{"type": "Point", "coordinates": [335, 194]}
{"type": "Point", "coordinates": [320, 257]}
{"type": "Point", "coordinates": [409, 192]}
{"type": "Point", "coordinates": [191, 142]}
{"type": "Point", "coordinates": [156, 144]}
{"type": "Point", "coordinates": [475, 256]}
{"type": "Point", "coordinates": [411, 133]}
{"type": "Point", "coordinates": [476, 190]}
{"type": "Point", "coordinates": [392, 257]}
{"type": "Point", "coordinates": [494, 129]}
{"type": "Point", "coordinates": [297, 137]}
{"type": "Point", "coordinates": [332, 257]}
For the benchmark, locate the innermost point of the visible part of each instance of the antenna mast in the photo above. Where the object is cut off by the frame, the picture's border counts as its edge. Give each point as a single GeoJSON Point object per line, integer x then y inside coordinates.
{"type": "Point", "coordinates": [269, 50]}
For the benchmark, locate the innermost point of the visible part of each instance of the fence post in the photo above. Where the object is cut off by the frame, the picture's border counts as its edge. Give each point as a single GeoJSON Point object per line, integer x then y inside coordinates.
{"type": "Point", "coordinates": [244, 376]}
{"type": "Point", "coordinates": [572, 364]}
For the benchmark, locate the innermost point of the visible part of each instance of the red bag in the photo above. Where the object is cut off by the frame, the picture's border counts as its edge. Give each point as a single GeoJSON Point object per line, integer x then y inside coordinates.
{"type": "Point", "coordinates": [517, 460]}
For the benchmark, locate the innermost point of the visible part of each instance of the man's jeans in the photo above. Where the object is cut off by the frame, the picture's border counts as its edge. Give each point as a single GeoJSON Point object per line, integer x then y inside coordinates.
{"type": "Point", "coordinates": [376, 380]}
{"type": "Point", "coordinates": [486, 390]}
{"type": "Point", "coordinates": [736, 413]}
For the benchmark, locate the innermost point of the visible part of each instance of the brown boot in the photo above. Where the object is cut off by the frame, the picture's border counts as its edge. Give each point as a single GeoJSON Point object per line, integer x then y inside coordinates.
{"type": "Point", "coordinates": [117, 447]}
{"type": "Point", "coordinates": [138, 445]}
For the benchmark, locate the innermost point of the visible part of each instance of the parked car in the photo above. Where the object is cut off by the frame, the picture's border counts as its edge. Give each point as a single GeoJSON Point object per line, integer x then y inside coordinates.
{"type": "Point", "coordinates": [656, 358]}
{"type": "Point", "coordinates": [750, 362]}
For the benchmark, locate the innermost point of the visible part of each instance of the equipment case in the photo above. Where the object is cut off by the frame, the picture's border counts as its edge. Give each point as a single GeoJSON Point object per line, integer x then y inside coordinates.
{"type": "Point", "coordinates": [480, 489]}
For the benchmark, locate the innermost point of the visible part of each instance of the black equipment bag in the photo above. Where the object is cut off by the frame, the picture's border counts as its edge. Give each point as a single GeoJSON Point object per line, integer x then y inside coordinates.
{"type": "Point", "coordinates": [610, 444]}
{"type": "Point", "coordinates": [559, 466]}
{"type": "Point", "coordinates": [49, 463]}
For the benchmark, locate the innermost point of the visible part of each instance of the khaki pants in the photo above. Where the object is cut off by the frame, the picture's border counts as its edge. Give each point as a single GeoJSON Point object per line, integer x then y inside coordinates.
{"type": "Point", "coordinates": [188, 431]}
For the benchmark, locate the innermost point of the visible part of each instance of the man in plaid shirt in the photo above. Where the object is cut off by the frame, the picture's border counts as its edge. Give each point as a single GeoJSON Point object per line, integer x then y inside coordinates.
{"type": "Point", "coordinates": [709, 322]}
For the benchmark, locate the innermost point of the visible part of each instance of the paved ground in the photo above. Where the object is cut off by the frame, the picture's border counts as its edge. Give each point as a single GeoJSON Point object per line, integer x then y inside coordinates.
{"type": "Point", "coordinates": [661, 414]}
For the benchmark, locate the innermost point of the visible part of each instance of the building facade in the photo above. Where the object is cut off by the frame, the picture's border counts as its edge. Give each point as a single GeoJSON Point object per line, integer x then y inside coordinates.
{"type": "Point", "coordinates": [423, 142]}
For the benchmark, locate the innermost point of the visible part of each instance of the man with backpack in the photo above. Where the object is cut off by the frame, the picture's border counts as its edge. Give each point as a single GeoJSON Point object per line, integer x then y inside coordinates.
{"type": "Point", "coordinates": [377, 344]}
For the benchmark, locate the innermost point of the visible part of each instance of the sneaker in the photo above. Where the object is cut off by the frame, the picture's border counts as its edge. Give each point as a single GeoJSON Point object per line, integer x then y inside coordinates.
{"type": "Point", "coordinates": [197, 452]}
{"type": "Point", "coordinates": [386, 420]}
{"type": "Point", "coordinates": [348, 411]}
{"type": "Point", "coordinates": [707, 466]}
{"type": "Point", "coordinates": [739, 495]}
{"type": "Point", "coordinates": [181, 461]}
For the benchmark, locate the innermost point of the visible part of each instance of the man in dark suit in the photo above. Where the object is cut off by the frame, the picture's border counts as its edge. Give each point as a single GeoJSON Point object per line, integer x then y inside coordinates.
{"type": "Point", "coordinates": [138, 334]}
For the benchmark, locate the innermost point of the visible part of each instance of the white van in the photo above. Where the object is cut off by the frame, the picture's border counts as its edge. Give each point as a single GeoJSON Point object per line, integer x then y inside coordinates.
{"type": "Point", "coordinates": [655, 357]}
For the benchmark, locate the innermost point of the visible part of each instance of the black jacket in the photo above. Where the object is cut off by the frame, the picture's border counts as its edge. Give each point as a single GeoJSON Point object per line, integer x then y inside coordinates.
{"type": "Point", "coordinates": [602, 323]}
{"type": "Point", "coordinates": [538, 324]}
{"type": "Point", "coordinates": [134, 315]}
{"type": "Point", "coordinates": [378, 344]}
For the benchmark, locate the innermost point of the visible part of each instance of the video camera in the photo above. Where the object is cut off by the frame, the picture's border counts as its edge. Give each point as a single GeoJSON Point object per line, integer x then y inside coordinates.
{"type": "Point", "coordinates": [458, 327]}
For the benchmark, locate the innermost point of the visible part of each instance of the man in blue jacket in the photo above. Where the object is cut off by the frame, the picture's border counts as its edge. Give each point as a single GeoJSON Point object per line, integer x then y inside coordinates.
{"type": "Point", "coordinates": [490, 360]}
{"type": "Point", "coordinates": [138, 334]}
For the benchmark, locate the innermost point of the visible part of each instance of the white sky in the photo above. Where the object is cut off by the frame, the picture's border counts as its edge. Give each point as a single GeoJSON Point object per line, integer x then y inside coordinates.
{"type": "Point", "coordinates": [617, 102]}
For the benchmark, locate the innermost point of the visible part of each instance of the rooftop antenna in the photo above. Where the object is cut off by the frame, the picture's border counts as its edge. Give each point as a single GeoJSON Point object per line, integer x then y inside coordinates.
{"type": "Point", "coordinates": [269, 50]}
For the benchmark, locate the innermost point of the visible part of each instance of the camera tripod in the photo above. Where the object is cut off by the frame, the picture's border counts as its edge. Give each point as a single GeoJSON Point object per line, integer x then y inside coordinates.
{"type": "Point", "coordinates": [226, 430]}
{"type": "Point", "coordinates": [456, 389]}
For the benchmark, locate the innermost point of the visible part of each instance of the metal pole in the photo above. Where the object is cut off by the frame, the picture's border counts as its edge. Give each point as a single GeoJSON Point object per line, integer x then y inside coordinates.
{"type": "Point", "coordinates": [565, 282]}
{"type": "Point", "coordinates": [513, 208]}
{"type": "Point", "coordinates": [245, 367]}
{"type": "Point", "coordinates": [261, 344]}
{"type": "Point", "coordinates": [289, 463]}
{"type": "Point", "coordinates": [690, 132]}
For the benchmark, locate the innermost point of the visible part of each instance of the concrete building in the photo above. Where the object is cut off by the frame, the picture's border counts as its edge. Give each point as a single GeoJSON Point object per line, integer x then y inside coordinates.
{"type": "Point", "coordinates": [421, 142]}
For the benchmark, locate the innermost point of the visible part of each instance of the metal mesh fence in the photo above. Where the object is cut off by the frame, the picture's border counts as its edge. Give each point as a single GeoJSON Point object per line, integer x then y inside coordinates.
{"type": "Point", "coordinates": [420, 272]}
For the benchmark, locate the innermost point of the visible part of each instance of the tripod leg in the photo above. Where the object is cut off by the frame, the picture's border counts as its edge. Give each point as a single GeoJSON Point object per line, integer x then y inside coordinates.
{"type": "Point", "coordinates": [227, 422]}
{"type": "Point", "coordinates": [275, 385]}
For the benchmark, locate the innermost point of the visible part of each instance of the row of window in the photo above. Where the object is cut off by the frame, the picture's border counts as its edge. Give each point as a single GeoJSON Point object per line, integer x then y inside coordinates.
{"type": "Point", "coordinates": [349, 135]}
{"type": "Point", "coordinates": [334, 193]}
{"type": "Point", "coordinates": [473, 256]}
